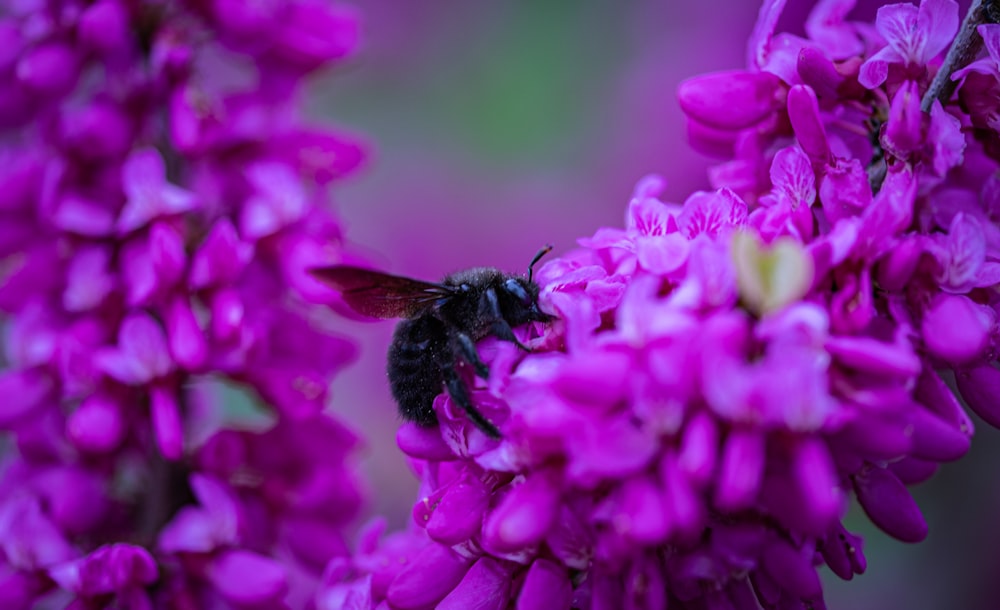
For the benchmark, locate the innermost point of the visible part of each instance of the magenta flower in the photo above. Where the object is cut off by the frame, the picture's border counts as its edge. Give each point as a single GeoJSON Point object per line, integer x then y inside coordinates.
{"type": "Point", "coordinates": [141, 355]}
{"type": "Point", "coordinates": [786, 211]}
{"type": "Point", "coordinates": [272, 507]}
{"type": "Point", "coordinates": [148, 194]}
{"type": "Point", "coordinates": [914, 36]}
{"type": "Point", "coordinates": [212, 533]}
{"type": "Point", "coordinates": [279, 200]}
{"type": "Point", "coordinates": [121, 570]}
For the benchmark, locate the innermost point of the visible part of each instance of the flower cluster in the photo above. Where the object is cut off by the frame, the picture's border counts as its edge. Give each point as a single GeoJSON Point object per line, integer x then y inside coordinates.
{"type": "Point", "coordinates": [726, 373]}
{"type": "Point", "coordinates": [160, 201]}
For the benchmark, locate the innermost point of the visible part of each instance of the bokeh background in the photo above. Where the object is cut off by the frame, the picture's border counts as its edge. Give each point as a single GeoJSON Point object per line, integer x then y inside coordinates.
{"type": "Point", "coordinates": [498, 127]}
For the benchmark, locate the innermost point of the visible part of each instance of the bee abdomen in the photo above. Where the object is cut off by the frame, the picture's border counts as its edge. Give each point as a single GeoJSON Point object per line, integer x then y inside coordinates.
{"type": "Point", "coordinates": [414, 367]}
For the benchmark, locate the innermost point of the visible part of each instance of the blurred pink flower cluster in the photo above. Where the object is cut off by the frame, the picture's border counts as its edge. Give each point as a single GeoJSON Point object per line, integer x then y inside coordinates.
{"type": "Point", "coordinates": [727, 372]}
{"type": "Point", "coordinates": [160, 201]}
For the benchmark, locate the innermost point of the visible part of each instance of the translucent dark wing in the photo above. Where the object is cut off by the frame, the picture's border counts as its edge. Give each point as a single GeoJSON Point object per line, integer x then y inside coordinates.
{"type": "Point", "coordinates": [380, 295]}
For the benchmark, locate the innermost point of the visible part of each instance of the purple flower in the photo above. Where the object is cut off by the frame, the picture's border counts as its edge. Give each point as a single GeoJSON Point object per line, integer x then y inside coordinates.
{"type": "Point", "coordinates": [48, 68]}
{"type": "Point", "coordinates": [97, 425]}
{"type": "Point", "coordinates": [803, 113]}
{"type": "Point", "coordinates": [828, 28]}
{"type": "Point", "coordinates": [961, 257]}
{"type": "Point", "coordinates": [120, 569]}
{"type": "Point", "coordinates": [141, 355]}
{"type": "Point", "coordinates": [148, 194]}
{"type": "Point", "coordinates": [279, 200]}
{"type": "Point", "coordinates": [104, 26]}
{"type": "Point", "coordinates": [956, 329]}
{"type": "Point", "coordinates": [31, 540]}
{"type": "Point", "coordinates": [786, 211]}
{"type": "Point", "coordinates": [914, 36]}
{"type": "Point", "coordinates": [704, 98]}
{"type": "Point", "coordinates": [221, 258]}
{"type": "Point", "coordinates": [903, 130]}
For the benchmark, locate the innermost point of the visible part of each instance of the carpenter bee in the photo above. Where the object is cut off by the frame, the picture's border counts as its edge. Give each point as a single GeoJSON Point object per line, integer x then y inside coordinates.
{"type": "Point", "coordinates": [441, 326]}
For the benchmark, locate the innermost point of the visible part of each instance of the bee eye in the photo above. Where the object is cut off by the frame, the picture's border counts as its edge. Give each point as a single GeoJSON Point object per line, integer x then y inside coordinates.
{"type": "Point", "coordinates": [515, 288]}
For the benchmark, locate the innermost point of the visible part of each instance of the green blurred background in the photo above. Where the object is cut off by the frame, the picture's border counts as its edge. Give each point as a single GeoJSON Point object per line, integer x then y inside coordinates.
{"type": "Point", "coordinates": [501, 126]}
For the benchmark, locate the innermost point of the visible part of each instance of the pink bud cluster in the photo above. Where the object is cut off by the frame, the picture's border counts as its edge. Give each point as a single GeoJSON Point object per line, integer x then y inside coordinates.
{"type": "Point", "coordinates": [161, 199]}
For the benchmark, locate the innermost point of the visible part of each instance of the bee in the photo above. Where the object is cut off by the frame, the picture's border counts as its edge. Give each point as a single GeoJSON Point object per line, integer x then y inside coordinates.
{"type": "Point", "coordinates": [442, 323]}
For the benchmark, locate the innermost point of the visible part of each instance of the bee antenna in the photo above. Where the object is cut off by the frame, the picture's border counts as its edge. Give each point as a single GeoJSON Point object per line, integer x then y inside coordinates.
{"type": "Point", "coordinates": [541, 253]}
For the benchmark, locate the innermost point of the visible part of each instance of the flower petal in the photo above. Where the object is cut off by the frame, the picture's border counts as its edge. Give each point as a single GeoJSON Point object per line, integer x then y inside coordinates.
{"type": "Point", "coordinates": [546, 587]}
{"type": "Point", "coordinates": [486, 586]}
{"type": "Point", "coordinates": [903, 131]}
{"type": "Point", "coordinates": [429, 577]}
{"type": "Point", "coordinates": [97, 424]}
{"type": "Point", "coordinates": [188, 346]}
{"type": "Point", "coordinates": [243, 577]}
{"type": "Point", "coordinates": [166, 416]}
{"type": "Point", "coordinates": [793, 569]}
{"type": "Point", "coordinates": [142, 339]}
{"type": "Point", "coordinates": [888, 504]}
{"type": "Point", "coordinates": [459, 513]}
{"type": "Point", "coordinates": [525, 514]}
{"type": "Point", "coordinates": [706, 98]}
{"type": "Point", "coordinates": [741, 470]}
{"type": "Point", "coordinates": [938, 19]}
{"type": "Point", "coordinates": [980, 387]}
{"type": "Point", "coordinates": [803, 112]}
{"type": "Point", "coordinates": [956, 329]}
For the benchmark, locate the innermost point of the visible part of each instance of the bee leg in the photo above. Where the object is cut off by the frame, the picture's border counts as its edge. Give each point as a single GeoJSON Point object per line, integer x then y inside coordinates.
{"type": "Point", "coordinates": [458, 393]}
{"type": "Point", "coordinates": [500, 328]}
{"type": "Point", "coordinates": [467, 350]}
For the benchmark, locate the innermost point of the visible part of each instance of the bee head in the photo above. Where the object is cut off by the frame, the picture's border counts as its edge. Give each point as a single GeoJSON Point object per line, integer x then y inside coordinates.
{"type": "Point", "coordinates": [518, 299]}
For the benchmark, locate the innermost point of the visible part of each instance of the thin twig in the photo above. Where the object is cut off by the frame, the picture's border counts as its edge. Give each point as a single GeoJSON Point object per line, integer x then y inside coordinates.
{"type": "Point", "coordinates": [166, 491]}
{"type": "Point", "coordinates": [964, 49]}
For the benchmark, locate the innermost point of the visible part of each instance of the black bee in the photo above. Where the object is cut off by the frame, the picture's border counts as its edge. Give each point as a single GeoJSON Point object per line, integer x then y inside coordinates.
{"type": "Point", "coordinates": [443, 322]}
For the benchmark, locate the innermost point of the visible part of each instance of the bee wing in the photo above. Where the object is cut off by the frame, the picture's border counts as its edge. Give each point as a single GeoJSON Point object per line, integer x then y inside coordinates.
{"type": "Point", "coordinates": [380, 295]}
